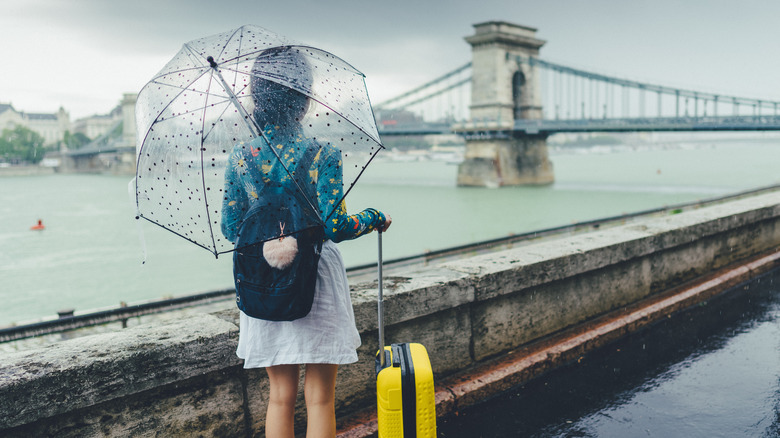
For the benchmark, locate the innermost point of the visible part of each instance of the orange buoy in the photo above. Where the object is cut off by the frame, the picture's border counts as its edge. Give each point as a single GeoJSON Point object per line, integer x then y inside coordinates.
{"type": "Point", "coordinates": [39, 226]}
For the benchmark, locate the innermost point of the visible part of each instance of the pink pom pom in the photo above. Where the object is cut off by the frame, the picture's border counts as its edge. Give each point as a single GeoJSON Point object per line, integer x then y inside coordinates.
{"type": "Point", "coordinates": [280, 253]}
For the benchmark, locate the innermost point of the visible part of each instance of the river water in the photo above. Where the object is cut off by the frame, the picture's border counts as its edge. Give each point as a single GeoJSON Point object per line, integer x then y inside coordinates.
{"type": "Point", "coordinates": [90, 255]}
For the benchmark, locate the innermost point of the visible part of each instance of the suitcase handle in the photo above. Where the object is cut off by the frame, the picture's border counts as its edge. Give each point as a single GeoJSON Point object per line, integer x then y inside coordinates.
{"type": "Point", "coordinates": [380, 302]}
{"type": "Point", "coordinates": [397, 353]}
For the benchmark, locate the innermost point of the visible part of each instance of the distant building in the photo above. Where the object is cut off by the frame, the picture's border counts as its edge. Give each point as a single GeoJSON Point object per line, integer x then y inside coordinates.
{"type": "Point", "coordinates": [51, 127]}
{"type": "Point", "coordinates": [97, 125]}
{"type": "Point", "coordinates": [113, 145]}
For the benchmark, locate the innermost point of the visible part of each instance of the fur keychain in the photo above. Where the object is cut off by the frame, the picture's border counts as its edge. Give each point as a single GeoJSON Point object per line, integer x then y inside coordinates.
{"type": "Point", "coordinates": [280, 253]}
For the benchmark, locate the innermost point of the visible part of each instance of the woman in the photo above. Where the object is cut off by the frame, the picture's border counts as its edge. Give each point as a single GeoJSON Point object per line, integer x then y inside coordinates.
{"type": "Point", "coordinates": [327, 336]}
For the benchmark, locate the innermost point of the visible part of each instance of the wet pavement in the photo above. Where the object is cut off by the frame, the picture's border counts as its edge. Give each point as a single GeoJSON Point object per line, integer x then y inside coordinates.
{"type": "Point", "coordinates": [713, 371]}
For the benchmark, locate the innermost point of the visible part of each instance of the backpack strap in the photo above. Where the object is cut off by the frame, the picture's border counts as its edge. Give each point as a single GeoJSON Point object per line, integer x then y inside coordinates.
{"type": "Point", "coordinates": [299, 186]}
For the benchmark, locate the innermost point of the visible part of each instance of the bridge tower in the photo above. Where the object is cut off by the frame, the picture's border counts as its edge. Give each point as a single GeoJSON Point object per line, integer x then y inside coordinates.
{"type": "Point", "coordinates": [503, 89]}
{"type": "Point", "coordinates": [128, 118]}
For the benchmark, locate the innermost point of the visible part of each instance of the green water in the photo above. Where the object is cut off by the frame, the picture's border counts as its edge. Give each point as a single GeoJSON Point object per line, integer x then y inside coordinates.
{"type": "Point", "coordinates": [90, 254]}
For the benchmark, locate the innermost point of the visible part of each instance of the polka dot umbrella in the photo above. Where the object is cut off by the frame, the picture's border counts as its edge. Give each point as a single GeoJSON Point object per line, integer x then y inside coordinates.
{"type": "Point", "coordinates": [236, 113]}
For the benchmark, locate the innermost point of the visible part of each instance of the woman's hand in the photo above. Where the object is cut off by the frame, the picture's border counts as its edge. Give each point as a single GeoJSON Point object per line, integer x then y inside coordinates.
{"type": "Point", "coordinates": [386, 225]}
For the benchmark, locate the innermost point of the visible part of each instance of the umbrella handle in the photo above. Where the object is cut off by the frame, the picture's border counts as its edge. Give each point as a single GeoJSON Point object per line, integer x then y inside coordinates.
{"type": "Point", "coordinates": [380, 303]}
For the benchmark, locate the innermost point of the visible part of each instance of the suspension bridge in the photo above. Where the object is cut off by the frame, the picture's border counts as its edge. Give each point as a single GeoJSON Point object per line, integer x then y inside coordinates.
{"type": "Point", "coordinates": [508, 100]}
{"type": "Point", "coordinates": [573, 100]}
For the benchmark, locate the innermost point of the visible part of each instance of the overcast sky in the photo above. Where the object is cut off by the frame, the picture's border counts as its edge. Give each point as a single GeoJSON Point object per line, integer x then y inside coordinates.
{"type": "Point", "coordinates": [83, 54]}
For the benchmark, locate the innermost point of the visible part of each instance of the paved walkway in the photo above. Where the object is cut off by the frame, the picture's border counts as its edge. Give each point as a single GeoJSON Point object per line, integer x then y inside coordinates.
{"type": "Point", "coordinates": [524, 364]}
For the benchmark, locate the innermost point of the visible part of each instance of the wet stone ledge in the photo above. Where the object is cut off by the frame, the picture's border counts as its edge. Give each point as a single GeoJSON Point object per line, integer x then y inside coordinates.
{"type": "Point", "coordinates": [183, 379]}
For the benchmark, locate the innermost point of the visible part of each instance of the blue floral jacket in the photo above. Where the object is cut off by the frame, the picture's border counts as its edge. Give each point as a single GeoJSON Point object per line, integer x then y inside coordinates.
{"type": "Point", "coordinates": [325, 173]}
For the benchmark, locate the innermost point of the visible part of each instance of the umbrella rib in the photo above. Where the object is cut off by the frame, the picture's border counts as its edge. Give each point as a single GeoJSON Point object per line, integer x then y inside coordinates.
{"type": "Point", "coordinates": [224, 110]}
{"type": "Point", "coordinates": [309, 95]}
{"type": "Point", "coordinates": [185, 113]}
{"type": "Point", "coordinates": [305, 46]}
{"type": "Point", "coordinates": [200, 56]}
{"type": "Point", "coordinates": [227, 41]}
{"type": "Point", "coordinates": [326, 52]}
{"type": "Point", "coordinates": [226, 99]}
{"type": "Point", "coordinates": [183, 236]}
{"type": "Point", "coordinates": [253, 122]}
{"type": "Point", "coordinates": [275, 78]}
{"type": "Point", "coordinates": [240, 44]}
{"type": "Point", "coordinates": [381, 146]}
{"type": "Point", "coordinates": [182, 70]}
{"type": "Point", "coordinates": [156, 119]}
{"type": "Point", "coordinates": [351, 122]}
{"type": "Point", "coordinates": [234, 100]}
{"type": "Point", "coordinates": [222, 50]}
{"type": "Point", "coordinates": [202, 171]}
{"type": "Point", "coordinates": [179, 87]}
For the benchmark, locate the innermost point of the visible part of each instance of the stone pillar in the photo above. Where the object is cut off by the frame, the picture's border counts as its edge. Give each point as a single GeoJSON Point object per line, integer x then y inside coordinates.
{"type": "Point", "coordinates": [63, 122]}
{"type": "Point", "coordinates": [125, 159]}
{"type": "Point", "coordinates": [503, 88]}
{"type": "Point", "coordinates": [128, 118]}
{"type": "Point", "coordinates": [493, 162]}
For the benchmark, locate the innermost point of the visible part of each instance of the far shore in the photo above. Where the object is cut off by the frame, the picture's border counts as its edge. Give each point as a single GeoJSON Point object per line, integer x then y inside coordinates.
{"type": "Point", "coordinates": [26, 170]}
{"type": "Point", "coordinates": [33, 170]}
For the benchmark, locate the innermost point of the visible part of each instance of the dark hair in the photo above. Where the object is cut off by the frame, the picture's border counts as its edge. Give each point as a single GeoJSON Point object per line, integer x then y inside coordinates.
{"type": "Point", "coordinates": [274, 74]}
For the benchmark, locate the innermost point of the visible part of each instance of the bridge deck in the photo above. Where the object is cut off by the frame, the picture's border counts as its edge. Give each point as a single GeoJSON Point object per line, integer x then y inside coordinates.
{"type": "Point", "coordinates": [549, 127]}
{"type": "Point", "coordinates": [726, 123]}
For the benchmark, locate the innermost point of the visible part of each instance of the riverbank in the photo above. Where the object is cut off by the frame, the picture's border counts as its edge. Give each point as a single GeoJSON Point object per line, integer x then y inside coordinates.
{"type": "Point", "coordinates": [26, 171]}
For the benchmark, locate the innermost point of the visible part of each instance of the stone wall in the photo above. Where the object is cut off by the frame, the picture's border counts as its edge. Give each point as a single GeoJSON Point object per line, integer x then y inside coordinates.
{"type": "Point", "coordinates": [183, 379]}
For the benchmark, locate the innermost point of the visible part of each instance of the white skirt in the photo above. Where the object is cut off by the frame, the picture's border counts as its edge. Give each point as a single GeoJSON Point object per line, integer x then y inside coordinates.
{"type": "Point", "coordinates": [326, 335]}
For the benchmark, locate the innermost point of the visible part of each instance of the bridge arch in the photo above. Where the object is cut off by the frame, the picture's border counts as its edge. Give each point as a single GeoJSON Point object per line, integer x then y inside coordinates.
{"type": "Point", "coordinates": [504, 90]}
{"type": "Point", "coordinates": [518, 85]}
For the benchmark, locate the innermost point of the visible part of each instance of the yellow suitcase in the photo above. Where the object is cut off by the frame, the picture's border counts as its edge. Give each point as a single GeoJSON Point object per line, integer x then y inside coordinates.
{"type": "Point", "coordinates": [404, 393]}
{"type": "Point", "coordinates": [405, 401]}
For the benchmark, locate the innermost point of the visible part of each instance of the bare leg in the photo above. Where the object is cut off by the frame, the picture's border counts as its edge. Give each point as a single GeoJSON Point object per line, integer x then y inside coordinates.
{"type": "Point", "coordinates": [279, 419]}
{"type": "Point", "coordinates": [320, 392]}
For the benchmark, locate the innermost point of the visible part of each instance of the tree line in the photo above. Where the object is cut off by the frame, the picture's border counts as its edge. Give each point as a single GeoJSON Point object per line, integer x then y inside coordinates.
{"type": "Point", "coordinates": [21, 145]}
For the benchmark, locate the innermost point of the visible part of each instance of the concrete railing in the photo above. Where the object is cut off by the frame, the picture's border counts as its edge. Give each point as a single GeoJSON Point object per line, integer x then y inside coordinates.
{"type": "Point", "coordinates": [183, 378]}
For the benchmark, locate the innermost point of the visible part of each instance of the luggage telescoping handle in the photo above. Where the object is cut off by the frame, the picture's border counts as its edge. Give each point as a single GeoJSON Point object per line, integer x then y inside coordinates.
{"type": "Point", "coordinates": [380, 302]}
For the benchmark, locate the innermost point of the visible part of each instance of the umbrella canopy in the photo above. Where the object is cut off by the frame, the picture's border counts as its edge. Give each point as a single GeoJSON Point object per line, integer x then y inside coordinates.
{"type": "Point", "coordinates": [204, 102]}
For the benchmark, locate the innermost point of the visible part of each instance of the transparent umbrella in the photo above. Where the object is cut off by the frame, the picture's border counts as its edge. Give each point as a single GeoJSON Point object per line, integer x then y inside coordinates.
{"type": "Point", "coordinates": [213, 98]}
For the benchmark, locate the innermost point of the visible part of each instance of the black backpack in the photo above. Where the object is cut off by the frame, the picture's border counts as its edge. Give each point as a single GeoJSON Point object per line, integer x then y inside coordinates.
{"type": "Point", "coordinates": [263, 291]}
